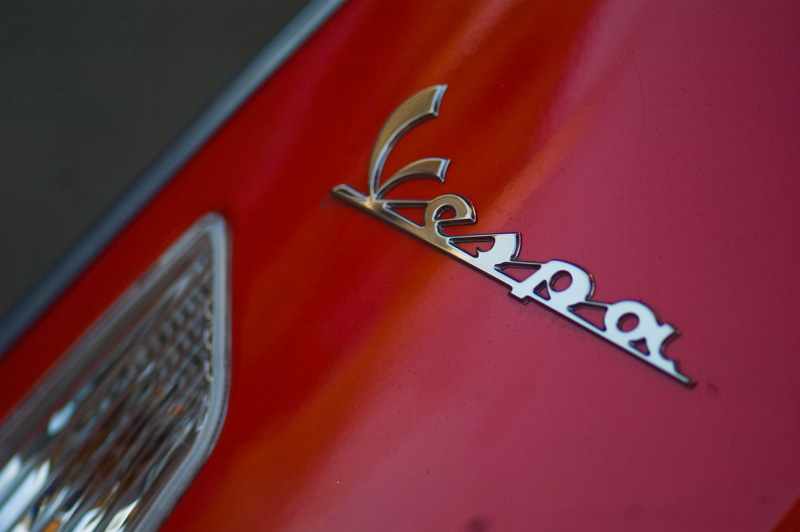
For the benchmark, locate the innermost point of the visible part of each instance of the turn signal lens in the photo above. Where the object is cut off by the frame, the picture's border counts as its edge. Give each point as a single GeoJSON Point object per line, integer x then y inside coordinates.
{"type": "Point", "coordinates": [113, 436]}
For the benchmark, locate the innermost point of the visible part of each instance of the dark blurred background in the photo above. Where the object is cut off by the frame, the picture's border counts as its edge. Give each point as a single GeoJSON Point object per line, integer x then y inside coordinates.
{"type": "Point", "coordinates": [90, 93]}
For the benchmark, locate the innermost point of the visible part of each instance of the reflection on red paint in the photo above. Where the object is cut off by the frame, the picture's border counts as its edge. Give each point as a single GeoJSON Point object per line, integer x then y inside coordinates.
{"type": "Point", "coordinates": [378, 385]}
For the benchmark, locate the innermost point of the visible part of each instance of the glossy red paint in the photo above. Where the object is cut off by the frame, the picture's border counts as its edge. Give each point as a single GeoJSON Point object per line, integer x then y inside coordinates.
{"type": "Point", "coordinates": [378, 385]}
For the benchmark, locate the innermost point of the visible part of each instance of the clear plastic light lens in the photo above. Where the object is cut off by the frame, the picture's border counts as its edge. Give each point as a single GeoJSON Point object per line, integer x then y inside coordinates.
{"type": "Point", "coordinates": [116, 432]}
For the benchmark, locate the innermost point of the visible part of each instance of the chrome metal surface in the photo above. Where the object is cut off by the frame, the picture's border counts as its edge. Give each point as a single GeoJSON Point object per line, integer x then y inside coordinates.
{"type": "Point", "coordinates": [630, 325]}
{"type": "Point", "coordinates": [116, 432]}
{"type": "Point", "coordinates": [418, 109]}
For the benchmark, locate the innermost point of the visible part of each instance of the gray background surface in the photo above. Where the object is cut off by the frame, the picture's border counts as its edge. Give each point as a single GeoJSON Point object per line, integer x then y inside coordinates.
{"type": "Point", "coordinates": [90, 93]}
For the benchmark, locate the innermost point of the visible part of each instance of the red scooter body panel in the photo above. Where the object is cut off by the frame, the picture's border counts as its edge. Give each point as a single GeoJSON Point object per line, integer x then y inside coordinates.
{"type": "Point", "coordinates": [379, 385]}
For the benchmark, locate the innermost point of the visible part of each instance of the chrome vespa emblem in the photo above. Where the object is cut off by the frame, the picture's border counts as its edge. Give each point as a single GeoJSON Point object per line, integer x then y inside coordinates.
{"type": "Point", "coordinates": [645, 340]}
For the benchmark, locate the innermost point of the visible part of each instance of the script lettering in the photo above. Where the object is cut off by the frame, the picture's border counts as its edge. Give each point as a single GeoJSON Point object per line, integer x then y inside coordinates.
{"type": "Point", "coordinates": [580, 288]}
{"type": "Point", "coordinates": [556, 284]}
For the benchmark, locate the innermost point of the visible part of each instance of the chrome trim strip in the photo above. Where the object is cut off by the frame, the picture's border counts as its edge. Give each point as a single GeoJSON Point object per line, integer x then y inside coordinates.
{"type": "Point", "coordinates": [122, 211]}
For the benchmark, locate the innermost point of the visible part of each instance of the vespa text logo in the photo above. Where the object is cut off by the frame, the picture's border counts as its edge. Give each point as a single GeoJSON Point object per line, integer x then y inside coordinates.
{"type": "Point", "coordinates": [646, 340]}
